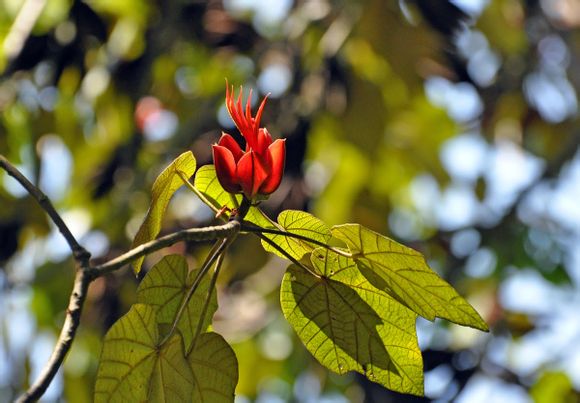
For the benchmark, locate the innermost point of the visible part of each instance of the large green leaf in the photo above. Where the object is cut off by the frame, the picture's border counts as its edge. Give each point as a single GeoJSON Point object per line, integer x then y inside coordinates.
{"type": "Point", "coordinates": [164, 187]}
{"type": "Point", "coordinates": [404, 274]}
{"type": "Point", "coordinates": [349, 325]}
{"type": "Point", "coordinates": [208, 184]}
{"type": "Point", "coordinates": [215, 369]}
{"type": "Point", "coordinates": [165, 287]}
{"type": "Point", "coordinates": [300, 223]}
{"type": "Point", "coordinates": [134, 369]}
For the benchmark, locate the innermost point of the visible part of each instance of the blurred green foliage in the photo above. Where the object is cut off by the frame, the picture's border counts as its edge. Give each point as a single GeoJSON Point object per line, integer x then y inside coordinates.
{"type": "Point", "coordinates": [97, 97]}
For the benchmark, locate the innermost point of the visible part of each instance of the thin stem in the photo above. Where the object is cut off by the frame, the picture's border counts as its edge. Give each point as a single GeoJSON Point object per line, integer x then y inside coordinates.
{"type": "Point", "coordinates": [247, 227]}
{"type": "Point", "coordinates": [204, 199]}
{"type": "Point", "coordinates": [234, 200]}
{"type": "Point", "coordinates": [288, 256]}
{"type": "Point", "coordinates": [212, 284]}
{"type": "Point", "coordinates": [191, 234]}
{"type": "Point", "coordinates": [217, 250]}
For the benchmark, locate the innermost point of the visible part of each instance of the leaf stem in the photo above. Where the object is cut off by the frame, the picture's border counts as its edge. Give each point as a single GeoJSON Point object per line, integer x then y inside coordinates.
{"type": "Point", "coordinates": [212, 284]}
{"type": "Point", "coordinates": [218, 248]}
{"type": "Point", "coordinates": [216, 253]}
{"type": "Point", "coordinates": [204, 199]}
{"type": "Point", "coordinates": [248, 227]}
{"type": "Point", "coordinates": [288, 256]}
{"type": "Point", "coordinates": [234, 200]}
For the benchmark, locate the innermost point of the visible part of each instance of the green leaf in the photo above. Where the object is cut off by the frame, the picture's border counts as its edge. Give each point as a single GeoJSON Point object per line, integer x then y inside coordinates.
{"type": "Point", "coordinates": [349, 325]}
{"type": "Point", "coordinates": [208, 184]}
{"type": "Point", "coordinates": [171, 381]}
{"type": "Point", "coordinates": [165, 287]}
{"type": "Point", "coordinates": [553, 386]}
{"type": "Point", "coordinates": [259, 218]}
{"type": "Point", "coordinates": [300, 223]}
{"type": "Point", "coordinates": [403, 273]}
{"type": "Point", "coordinates": [215, 369]}
{"type": "Point", "coordinates": [133, 368]}
{"type": "Point", "coordinates": [165, 185]}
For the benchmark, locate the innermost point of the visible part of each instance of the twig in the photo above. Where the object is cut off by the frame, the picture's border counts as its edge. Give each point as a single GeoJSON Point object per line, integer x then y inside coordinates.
{"type": "Point", "coordinates": [191, 234]}
{"type": "Point", "coordinates": [210, 290]}
{"type": "Point", "coordinates": [65, 340]}
{"type": "Point", "coordinates": [79, 292]}
{"type": "Point", "coordinates": [215, 253]}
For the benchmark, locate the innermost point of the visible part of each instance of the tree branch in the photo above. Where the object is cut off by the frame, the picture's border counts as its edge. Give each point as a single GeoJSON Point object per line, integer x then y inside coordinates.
{"type": "Point", "coordinates": [65, 340]}
{"type": "Point", "coordinates": [191, 234]}
{"type": "Point", "coordinates": [79, 292]}
{"type": "Point", "coordinates": [22, 27]}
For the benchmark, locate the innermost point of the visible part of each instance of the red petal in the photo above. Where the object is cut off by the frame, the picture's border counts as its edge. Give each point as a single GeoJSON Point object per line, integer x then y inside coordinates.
{"type": "Point", "coordinates": [247, 125]}
{"type": "Point", "coordinates": [276, 159]}
{"type": "Point", "coordinates": [249, 107]}
{"type": "Point", "coordinates": [225, 167]}
{"type": "Point", "coordinates": [231, 144]}
{"type": "Point", "coordinates": [259, 113]}
{"type": "Point", "coordinates": [264, 141]}
{"type": "Point", "coordinates": [235, 109]}
{"type": "Point", "coordinates": [251, 174]}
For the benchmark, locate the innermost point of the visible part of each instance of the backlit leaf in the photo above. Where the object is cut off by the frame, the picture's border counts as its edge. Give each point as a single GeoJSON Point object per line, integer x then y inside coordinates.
{"type": "Point", "coordinates": [171, 381]}
{"type": "Point", "coordinates": [208, 184]}
{"type": "Point", "coordinates": [164, 187]}
{"type": "Point", "coordinates": [403, 273]}
{"type": "Point", "coordinates": [348, 325]}
{"type": "Point", "coordinates": [301, 223]}
{"type": "Point", "coordinates": [215, 369]}
{"type": "Point", "coordinates": [133, 368]}
{"type": "Point", "coordinates": [165, 287]}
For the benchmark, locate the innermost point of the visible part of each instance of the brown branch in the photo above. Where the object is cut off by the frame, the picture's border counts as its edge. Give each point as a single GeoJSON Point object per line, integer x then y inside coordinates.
{"type": "Point", "coordinates": [78, 294]}
{"type": "Point", "coordinates": [65, 340]}
{"type": "Point", "coordinates": [191, 234]}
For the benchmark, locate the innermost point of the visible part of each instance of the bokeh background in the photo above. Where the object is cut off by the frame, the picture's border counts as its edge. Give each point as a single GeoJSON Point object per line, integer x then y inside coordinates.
{"type": "Point", "coordinates": [451, 126]}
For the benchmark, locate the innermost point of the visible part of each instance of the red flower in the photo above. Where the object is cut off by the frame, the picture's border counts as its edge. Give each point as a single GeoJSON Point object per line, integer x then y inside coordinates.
{"type": "Point", "coordinates": [258, 170]}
